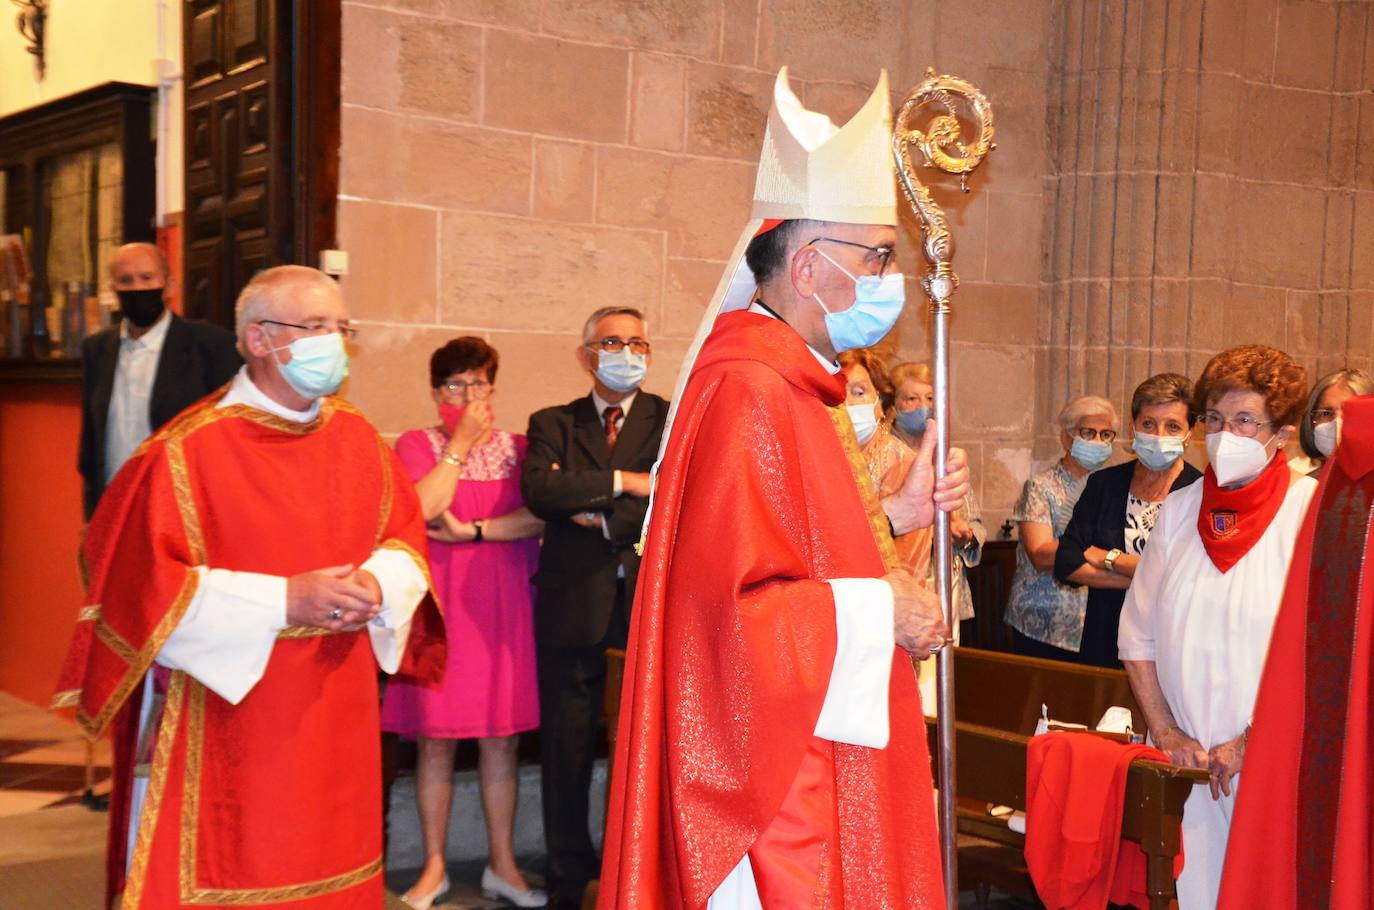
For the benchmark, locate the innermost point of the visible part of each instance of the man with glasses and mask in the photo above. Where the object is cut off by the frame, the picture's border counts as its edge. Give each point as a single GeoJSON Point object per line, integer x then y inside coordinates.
{"type": "Point", "coordinates": [138, 375]}
{"type": "Point", "coordinates": [251, 568]}
{"type": "Point", "coordinates": [772, 751]}
{"type": "Point", "coordinates": [586, 473]}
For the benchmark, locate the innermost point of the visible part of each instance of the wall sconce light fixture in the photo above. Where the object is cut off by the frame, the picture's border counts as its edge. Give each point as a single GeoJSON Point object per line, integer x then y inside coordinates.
{"type": "Point", "coordinates": [31, 22]}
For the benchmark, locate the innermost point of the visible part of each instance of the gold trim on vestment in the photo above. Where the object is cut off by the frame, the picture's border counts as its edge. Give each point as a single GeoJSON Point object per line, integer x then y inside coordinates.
{"type": "Point", "coordinates": [877, 519]}
{"type": "Point", "coordinates": [68, 699]}
{"type": "Point", "coordinates": [190, 823]}
{"type": "Point", "coordinates": [112, 640]}
{"type": "Point", "coordinates": [157, 785]}
{"type": "Point", "coordinates": [88, 614]}
{"type": "Point", "coordinates": [186, 500]}
{"type": "Point", "coordinates": [140, 662]}
{"type": "Point", "coordinates": [307, 632]}
{"type": "Point", "coordinates": [388, 494]}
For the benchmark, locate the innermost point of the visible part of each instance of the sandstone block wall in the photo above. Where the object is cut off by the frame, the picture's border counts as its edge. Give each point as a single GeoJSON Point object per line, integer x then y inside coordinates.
{"type": "Point", "coordinates": [1171, 177]}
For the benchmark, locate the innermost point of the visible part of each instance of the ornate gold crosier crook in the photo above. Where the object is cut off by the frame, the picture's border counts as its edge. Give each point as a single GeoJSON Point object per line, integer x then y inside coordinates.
{"type": "Point", "coordinates": [941, 149]}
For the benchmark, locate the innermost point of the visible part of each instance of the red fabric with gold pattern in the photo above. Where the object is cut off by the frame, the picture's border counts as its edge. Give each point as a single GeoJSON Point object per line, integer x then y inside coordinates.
{"type": "Point", "coordinates": [274, 800]}
{"type": "Point", "coordinates": [1232, 521]}
{"type": "Point", "coordinates": [1302, 834]}
{"type": "Point", "coordinates": [732, 641]}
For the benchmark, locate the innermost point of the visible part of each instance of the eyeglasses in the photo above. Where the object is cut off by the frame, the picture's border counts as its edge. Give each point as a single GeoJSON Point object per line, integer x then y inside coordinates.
{"type": "Point", "coordinates": [879, 256]}
{"type": "Point", "coordinates": [317, 328]}
{"type": "Point", "coordinates": [1323, 415]}
{"type": "Point", "coordinates": [478, 388]}
{"type": "Point", "coordinates": [613, 345]}
{"type": "Point", "coordinates": [1088, 434]}
{"type": "Point", "coordinates": [1242, 424]}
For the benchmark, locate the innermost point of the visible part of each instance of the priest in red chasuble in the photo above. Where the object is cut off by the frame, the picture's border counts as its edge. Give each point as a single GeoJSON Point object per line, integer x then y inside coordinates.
{"type": "Point", "coordinates": [1305, 836]}
{"type": "Point", "coordinates": [251, 567]}
{"type": "Point", "coordinates": [772, 748]}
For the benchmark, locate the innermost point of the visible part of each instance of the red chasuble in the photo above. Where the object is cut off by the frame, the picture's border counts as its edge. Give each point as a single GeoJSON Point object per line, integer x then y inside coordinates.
{"type": "Point", "coordinates": [273, 801]}
{"type": "Point", "coordinates": [731, 646]}
{"type": "Point", "coordinates": [1303, 833]}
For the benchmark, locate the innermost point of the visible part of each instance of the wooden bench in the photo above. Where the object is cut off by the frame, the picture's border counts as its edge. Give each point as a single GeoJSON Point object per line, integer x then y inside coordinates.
{"type": "Point", "coordinates": [997, 703]}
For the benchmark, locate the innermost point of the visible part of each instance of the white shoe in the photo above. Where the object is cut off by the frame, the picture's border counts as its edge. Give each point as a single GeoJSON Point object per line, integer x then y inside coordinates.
{"type": "Point", "coordinates": [494, 887]}
{"type": "Point", "coordinates": [425, 901]}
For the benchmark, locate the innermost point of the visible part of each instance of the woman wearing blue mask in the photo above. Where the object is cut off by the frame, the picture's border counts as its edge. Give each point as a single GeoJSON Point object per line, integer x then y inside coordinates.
{"type": "Point", "coordinates": [868, 399]}
{"type": "Point", "coordinates": [913, 404]}
{"type": "Point", "coordinates": [1046, 615]}
{"type": "Point", "coordinates": [1113, 518]}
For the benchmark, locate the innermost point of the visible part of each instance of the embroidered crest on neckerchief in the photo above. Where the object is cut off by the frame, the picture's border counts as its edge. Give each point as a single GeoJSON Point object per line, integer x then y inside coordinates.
{"type": "Point", "coordinates": [1223, 523]}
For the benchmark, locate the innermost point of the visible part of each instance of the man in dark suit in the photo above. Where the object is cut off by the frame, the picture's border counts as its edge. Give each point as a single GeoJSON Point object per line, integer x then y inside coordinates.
{"type": "Point", "coordinates": [586, 474]}
{"type": "Point", "coordinates": [140, 374]}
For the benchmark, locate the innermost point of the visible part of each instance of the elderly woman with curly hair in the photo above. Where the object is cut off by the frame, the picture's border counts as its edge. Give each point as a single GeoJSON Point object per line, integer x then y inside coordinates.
{"type": "Point", "coordinates": [1195, 627]}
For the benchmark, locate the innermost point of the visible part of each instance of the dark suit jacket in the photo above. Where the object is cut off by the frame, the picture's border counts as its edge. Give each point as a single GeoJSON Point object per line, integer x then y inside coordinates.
{"type": "Point", "coordinates": [576, 581]}
{"type": "Point", "coordinates": [1099, 520]}
{"type": "Point", "coordinates": [196, 359]}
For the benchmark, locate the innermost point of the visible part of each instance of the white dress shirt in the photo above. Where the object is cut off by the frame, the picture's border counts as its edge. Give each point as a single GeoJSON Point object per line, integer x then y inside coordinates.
{"type": "Point", "coordinates": [128, 422]}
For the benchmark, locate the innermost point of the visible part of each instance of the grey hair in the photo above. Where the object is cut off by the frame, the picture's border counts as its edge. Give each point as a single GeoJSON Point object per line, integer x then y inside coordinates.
{"type": "Point", "coordinates": [1087, 406]}
{"type": "Point", "coordinates": [265, 292]}
{"type": "Point", "coordinates": [589, 329]}
{"type": "Point", "coordinates": [1357, 381]}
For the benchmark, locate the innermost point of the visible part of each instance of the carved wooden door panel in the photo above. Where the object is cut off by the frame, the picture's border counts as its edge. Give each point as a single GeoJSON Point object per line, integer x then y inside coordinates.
{"type": "Point", "coordinates": [238, 217]}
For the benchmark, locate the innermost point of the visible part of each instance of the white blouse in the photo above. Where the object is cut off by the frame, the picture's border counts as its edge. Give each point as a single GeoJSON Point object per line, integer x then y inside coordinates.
{"type": "Point", "coordinates": [1208, 632]}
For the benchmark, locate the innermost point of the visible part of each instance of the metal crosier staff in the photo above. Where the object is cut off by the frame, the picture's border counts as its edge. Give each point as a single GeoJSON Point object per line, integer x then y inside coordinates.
{"type": "Point", "coordinates": [941, 148]}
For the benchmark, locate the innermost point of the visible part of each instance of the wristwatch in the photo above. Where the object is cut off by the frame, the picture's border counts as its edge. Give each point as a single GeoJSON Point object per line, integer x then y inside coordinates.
{"type": "Point", "coordinates": [477, 529]}
{"type": "Point", "coordinates": [1110, 559]}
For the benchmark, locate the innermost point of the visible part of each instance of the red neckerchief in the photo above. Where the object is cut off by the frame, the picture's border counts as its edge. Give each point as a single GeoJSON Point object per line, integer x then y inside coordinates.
{"type": "Point", "coordinates": [1231, 521]}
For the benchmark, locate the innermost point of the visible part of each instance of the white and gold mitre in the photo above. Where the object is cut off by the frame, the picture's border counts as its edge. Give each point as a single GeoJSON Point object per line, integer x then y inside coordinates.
{"type": "Point", "coordinates": [809, 168]}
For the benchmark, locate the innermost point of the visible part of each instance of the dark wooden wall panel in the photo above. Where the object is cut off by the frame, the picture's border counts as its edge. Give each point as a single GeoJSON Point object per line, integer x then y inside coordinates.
{"type": "Point", "coordinates": [262, 143]}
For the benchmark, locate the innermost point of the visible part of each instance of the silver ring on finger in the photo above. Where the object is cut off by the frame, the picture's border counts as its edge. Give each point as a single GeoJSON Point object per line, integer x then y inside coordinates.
{"type": "Point", "coordinates": [336, 613]}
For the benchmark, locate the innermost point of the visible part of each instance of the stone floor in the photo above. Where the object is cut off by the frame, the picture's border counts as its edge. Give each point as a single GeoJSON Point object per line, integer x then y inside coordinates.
{"type": "Point", "coordinates": [52, 846]}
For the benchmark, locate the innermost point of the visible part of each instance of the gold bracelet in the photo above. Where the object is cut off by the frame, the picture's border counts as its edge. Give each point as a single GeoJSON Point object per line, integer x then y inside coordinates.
{"type": "Point", "coordinates": [449, 458]}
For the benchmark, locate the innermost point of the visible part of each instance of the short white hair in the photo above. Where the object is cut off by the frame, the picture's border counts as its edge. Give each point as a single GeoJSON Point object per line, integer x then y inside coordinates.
{"type": "Point", "coordinates": [1087, 406]}
{"type": "Point", "coordinates": [262, 297]}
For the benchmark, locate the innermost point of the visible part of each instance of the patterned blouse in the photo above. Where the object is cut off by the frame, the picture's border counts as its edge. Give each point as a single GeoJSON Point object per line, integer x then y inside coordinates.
{"type": "Point", "coordinates": [1140, 521]}
{"type": "Point", "coordinates": [1039, 606]}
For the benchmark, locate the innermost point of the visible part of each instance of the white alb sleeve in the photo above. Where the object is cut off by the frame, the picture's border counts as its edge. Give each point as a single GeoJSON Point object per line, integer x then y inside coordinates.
{"type": "Point", "coordinates": [403, 586]}
{"type": "Point", "coordinates": [855, 709]}
{"type": "Point", "coordinates": [226, 635]}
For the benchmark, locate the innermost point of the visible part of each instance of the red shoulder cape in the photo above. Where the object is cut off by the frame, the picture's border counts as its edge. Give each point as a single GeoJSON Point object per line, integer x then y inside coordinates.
{"type": "Point", "coordinates": [1302, 824]}
{"type": "Point", "coordinates": [732, 640]}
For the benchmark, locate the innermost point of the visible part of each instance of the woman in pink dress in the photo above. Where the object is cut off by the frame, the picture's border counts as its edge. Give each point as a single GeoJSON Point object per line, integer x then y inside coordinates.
{"type": "Point", "coordinates": [483, 549]}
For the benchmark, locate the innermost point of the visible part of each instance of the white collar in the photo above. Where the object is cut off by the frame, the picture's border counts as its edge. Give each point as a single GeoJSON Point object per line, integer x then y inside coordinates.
{"type": "Point", "coordinates": [245, 392]}
{"type": "Point", "coordinates": [831, 366]}
{"type": "Point", "coordinates": [152, 339]}
{"type": "Point", "coordinates": [602, 404]}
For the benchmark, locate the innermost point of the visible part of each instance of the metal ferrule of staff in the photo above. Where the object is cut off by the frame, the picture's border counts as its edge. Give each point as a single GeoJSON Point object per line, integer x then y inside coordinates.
{"type": "Point", "coordinates": [941, 148]}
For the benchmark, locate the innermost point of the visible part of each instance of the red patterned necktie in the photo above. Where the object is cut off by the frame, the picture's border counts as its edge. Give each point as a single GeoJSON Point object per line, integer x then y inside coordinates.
{"type": "Point", "coordinates": [612, 418]}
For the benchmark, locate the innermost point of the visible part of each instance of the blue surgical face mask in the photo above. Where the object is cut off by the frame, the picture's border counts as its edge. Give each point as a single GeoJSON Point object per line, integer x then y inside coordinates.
{"type": "Point", "coordinates": [1157, 453]}
{"type": "Point", "coordinates": [878, 303]}
{"type": "Point", "coordinates": [623, 372]}
{"type": "Point", "coordinates": [1090, 454]}
{"type": "Point", "coordinates": [319, 365]}
{"type": "Point", "coordinates": [913, 421]}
